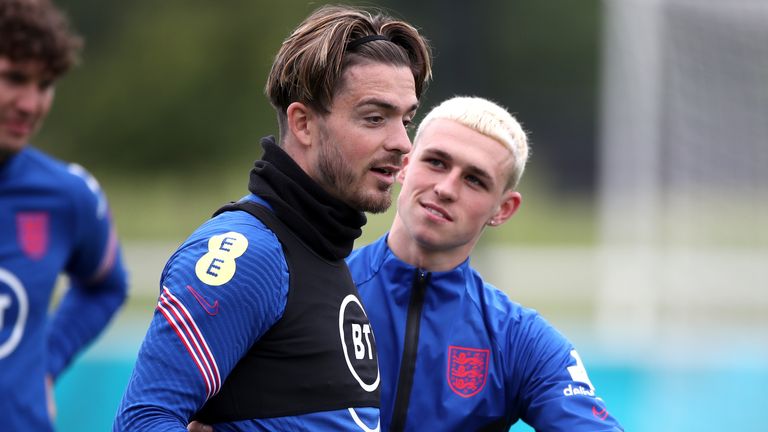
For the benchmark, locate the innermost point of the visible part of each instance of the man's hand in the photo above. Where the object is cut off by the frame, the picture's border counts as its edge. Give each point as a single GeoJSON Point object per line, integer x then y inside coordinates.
{"type": "Point", "coordinates": [196, 426]}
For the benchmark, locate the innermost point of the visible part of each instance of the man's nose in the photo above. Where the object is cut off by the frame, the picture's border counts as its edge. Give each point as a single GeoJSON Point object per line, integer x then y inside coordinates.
{"type": "Point", "coordinates": [448, 186]}
{"type": "Point", "coordinates": [30, 98]}
{"type": "Point", "coordinates": [399, 141]}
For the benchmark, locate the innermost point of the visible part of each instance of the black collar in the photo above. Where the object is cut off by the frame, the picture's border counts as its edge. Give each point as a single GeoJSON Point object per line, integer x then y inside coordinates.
{"type": "Point", "coordinates": [328, 225]}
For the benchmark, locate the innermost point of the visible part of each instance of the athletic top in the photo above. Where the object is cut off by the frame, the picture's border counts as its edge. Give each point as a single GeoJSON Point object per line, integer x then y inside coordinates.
{"type": "Point", "coordinates": [456, 354]}
{"type": "Point", "coordinates": [54, 219]}
{"type": "Point", "coordinates": [222, 291]}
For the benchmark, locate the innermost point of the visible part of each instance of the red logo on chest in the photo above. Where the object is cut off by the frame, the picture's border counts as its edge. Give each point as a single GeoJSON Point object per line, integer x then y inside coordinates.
{"type": "Point", "coordinates": [32, 229]}
{"type": "Point", "coordinates": [467, 370]}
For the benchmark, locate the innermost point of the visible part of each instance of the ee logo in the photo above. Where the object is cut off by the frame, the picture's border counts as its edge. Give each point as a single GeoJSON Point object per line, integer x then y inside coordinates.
{"type": "Point", "coordinates": [217, 266]}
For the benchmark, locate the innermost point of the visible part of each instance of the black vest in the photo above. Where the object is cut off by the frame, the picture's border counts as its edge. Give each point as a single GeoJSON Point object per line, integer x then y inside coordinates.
{"type": "Point", "coordinates": [319, 356]}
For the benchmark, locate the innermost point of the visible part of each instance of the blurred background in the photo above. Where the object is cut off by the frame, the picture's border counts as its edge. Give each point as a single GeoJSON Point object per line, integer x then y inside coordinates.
{"type": "Point", "coordinates": [643, 234]}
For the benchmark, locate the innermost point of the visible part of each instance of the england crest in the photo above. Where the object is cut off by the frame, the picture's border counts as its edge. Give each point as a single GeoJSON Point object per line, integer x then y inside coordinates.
{"type": "Point", "coordinates": [467, 370]}
{"type": "Point", "coordinates": [32, 229]}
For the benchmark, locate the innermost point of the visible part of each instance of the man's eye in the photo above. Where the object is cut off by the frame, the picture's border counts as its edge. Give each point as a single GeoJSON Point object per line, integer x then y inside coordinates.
{"type": "Point", "coordinates": [475, 181]}
{"type": "Point", "coordinates": [14, 77]}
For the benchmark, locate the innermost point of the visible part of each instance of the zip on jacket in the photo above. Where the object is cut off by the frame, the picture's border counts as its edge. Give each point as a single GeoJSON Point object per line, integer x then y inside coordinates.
{"type": "Point", "coordinates": [410, 350]}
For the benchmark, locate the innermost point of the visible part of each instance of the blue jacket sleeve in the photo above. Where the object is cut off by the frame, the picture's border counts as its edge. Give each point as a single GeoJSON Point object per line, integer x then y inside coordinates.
{"type": "Point", "coordinates": [557, 392]}
{"type": "Point", "coordinates": [97, 277]}
{"type": "Point", "coordinates": [219, 293]}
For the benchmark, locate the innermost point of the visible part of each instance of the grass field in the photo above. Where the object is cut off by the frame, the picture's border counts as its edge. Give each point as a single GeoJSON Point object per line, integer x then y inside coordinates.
{"type": "Point", "coordinates": [169, 208]}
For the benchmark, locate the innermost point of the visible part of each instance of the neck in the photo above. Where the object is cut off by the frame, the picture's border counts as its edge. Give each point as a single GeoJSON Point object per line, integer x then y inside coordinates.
{"type": "Point", "coordinates": [5, 155]}
{"type": "Point", "coordinates": [325, 223]}
{"type": "Point", "coordinates": [422, 253]}
{"type": "Point", "coordinates": [296, 151]}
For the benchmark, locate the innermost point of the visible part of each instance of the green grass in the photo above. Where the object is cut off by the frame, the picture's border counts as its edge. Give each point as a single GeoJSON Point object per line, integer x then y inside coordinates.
{"type": "Point", "coordinates": [170, 207]}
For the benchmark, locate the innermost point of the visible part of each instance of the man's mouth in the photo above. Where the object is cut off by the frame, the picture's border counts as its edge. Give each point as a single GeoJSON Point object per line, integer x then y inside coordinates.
{"type": "Point", "coordinates": [437, 211]}
{"type": "Point", "coordinates": [387, 171]}
{"type": "Point", "coordinates": [18, 129]}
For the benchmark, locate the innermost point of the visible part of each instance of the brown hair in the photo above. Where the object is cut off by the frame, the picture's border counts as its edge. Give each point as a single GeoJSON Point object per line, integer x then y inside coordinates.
{"type": "Point", "coordinates": [37, 30]}
{"type": "Point", "coordinates": [310, 64]}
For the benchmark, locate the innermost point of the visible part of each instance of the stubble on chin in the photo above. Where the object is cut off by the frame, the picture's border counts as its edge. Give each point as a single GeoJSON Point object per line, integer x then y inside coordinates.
{"type": "Point", "coordinates": [342, 183]}
{"type": "Point", "coordinates": [378, 204]}
{"type": "Point", "coordinates": [361, 198]}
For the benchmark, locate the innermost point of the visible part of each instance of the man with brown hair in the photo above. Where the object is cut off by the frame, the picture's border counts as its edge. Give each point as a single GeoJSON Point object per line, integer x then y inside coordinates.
{"type": "Point", "coordinates": [258, 325]}
{"type": "Point", "coordinates": [54, 219]}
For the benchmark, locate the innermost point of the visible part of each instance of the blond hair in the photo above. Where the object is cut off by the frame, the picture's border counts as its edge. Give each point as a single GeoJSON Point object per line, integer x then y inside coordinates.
{"type": "Point", "coordinates": [309, 66]}
{"type": "Point", "coordinates": [489, 119]}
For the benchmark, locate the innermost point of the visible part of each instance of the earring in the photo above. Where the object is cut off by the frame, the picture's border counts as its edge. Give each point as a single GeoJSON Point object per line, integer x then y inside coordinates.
{"type": "Point", "coordinates": [492, 222]}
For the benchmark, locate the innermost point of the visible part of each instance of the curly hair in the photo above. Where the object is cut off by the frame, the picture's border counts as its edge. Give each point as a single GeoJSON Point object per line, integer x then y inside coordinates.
{"type": "Point", "coordinates": [310, 63]}
{"type": "Point", "coordinates": [37, 30]}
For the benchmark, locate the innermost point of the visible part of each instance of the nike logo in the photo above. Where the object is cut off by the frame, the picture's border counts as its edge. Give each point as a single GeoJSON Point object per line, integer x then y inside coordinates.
{"type": "Point", "coordinates": [210, 309]}
{"type": "Point", "coordinates": [602, 415]}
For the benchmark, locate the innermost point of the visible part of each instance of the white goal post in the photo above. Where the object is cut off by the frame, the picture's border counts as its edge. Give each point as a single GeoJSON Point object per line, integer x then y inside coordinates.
{"type": "Point", "coordinates": [683, 181]}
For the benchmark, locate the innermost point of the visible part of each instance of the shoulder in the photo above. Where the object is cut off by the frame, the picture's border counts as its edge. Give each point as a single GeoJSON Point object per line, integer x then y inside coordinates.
{"type": "Point", "coordinates": [230, 247]}
{"type": "Point", "coordinates": [70, 179]}
{"type": "Point", "coordinates": [234, 258]}
{"type": "Point", "coordinates": [359, 263]}
{"type": "Point", "coordinates": [366, 253]}
{"type": "Point", "coordinates": [236, 233]}
{"type": "Point", "coordinates": [495, 302]}
{"type": "Point", "coordinates": [45, 166]}
{"type": "Point", "coordinates": [367, 260]}
{"type": "Point", "coordinates": [513, 322]}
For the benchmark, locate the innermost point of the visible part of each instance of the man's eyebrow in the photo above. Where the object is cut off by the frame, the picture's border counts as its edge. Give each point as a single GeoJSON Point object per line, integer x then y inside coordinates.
{"type": "Point", "coordinates": [438, 153]}
{"type": "Point", "coordinates": [479, 172]}
{"type": "Point", "coordinates": [381, 103]}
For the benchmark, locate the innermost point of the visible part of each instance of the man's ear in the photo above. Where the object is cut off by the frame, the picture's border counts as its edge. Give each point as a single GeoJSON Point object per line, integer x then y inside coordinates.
{"type": "Point", "coordinates": [401, 174]}
{"type": "Point", "coordinates": [300, 118]}
{"type": "Point", "coordinates": [510, 202]}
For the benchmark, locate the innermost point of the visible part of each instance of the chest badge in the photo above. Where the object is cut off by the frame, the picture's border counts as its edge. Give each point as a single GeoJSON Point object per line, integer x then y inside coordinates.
{"type": "Point", "coordinates": [467, 370]}
{"type": "Point", "coordinates": [32, 229]}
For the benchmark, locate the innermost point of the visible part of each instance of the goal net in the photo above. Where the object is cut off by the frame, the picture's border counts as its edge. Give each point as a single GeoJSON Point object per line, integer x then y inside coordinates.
{"type": "Point", "coordinates": [683, 169]}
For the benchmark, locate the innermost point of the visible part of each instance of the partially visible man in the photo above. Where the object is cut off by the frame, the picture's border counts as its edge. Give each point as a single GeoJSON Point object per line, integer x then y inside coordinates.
{"type": "Point", "coordinates": [53, 219]}
{"type": "Point", "coordinates": [456, 354]}
{"type": "Point", "coordinates": [258, 324]}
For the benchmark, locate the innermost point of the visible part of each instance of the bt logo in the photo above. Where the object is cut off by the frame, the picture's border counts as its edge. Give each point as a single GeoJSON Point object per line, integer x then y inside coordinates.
{"type": "Point", "coordinates": [14, 308]}
{"type": "Point", "coordinates": [357, 338]}
{"type": "Point", "coordinates": [358, 343]}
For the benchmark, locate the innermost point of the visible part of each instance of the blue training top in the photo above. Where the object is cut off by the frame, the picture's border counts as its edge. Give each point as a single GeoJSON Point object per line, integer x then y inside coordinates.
{"type": "Point", "coordinates": [456, 354]}
{"type": "Point", "coordinates": [54, 219]}
{"type": "Point", "coordinates": [224, 287]}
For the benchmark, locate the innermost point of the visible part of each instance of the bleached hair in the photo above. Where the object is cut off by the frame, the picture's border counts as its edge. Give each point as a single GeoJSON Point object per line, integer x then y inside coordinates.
{"type": "Point", "coordinates": [489, 119]}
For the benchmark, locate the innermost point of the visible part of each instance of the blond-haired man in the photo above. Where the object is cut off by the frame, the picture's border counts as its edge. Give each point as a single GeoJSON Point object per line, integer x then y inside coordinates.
{"type": "Point", "coordinates": [456, 354]}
